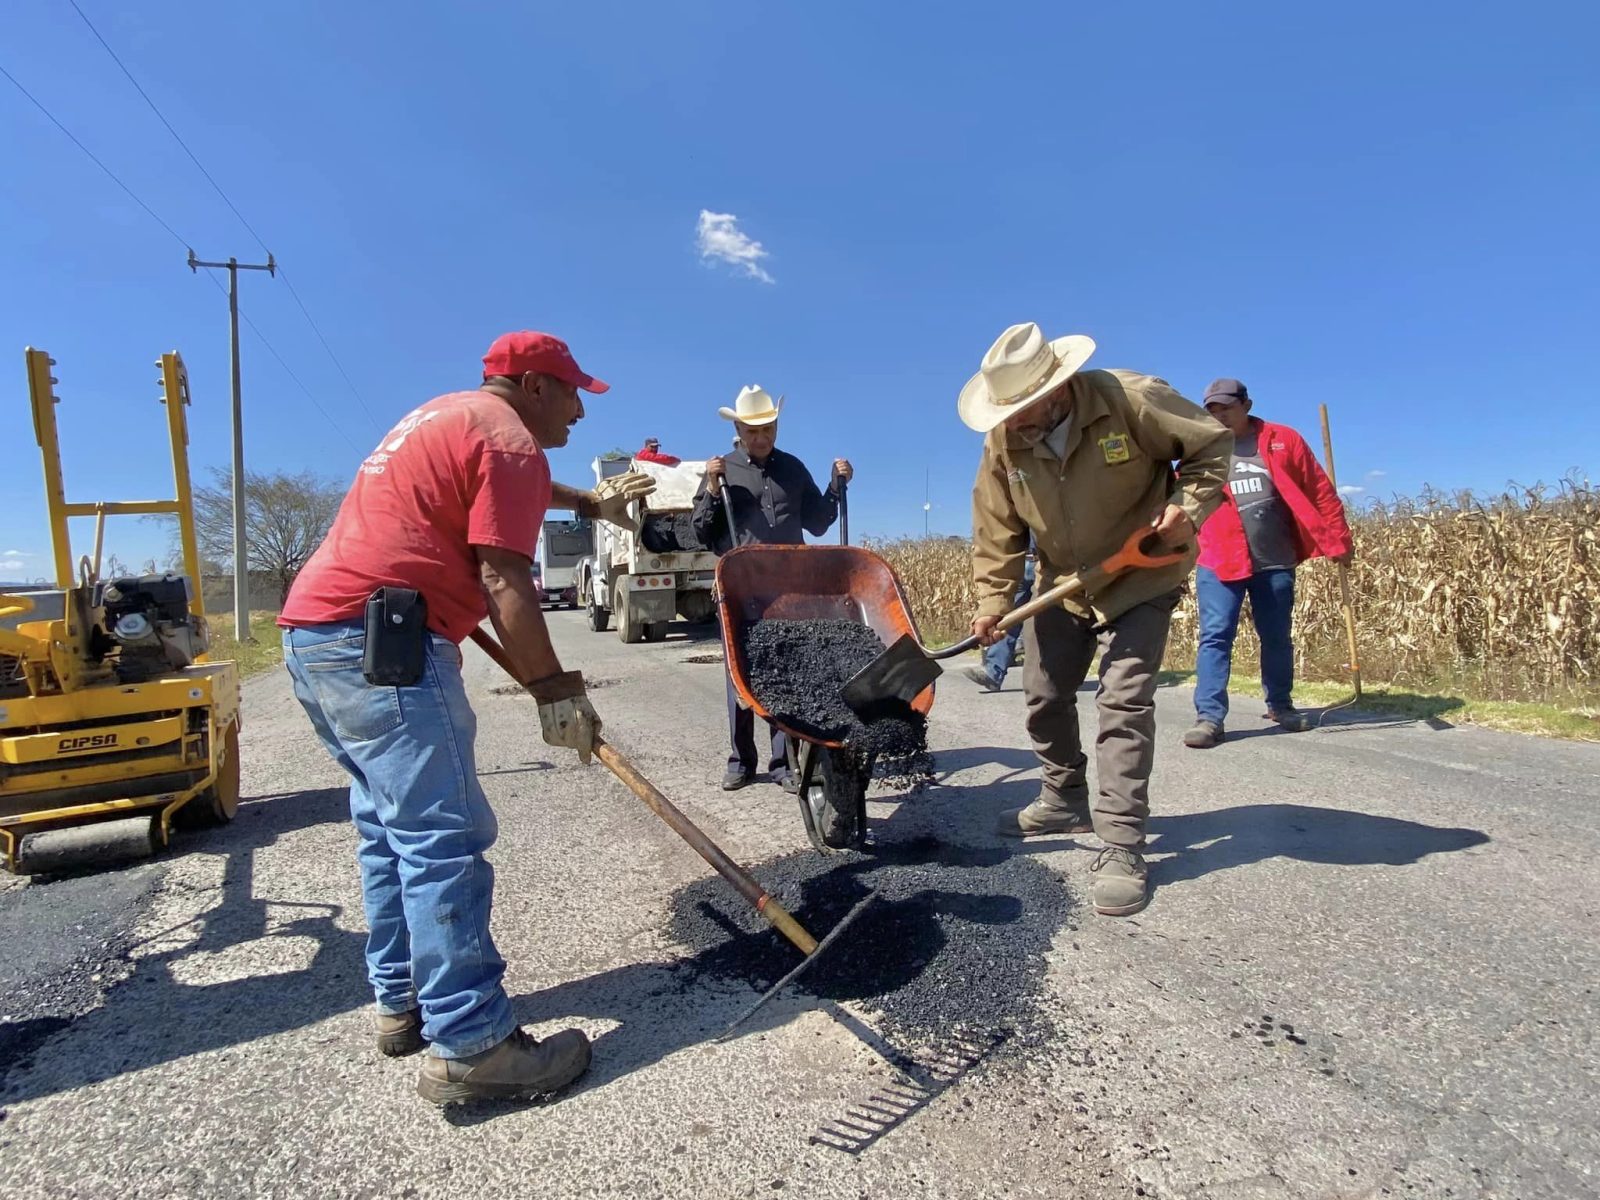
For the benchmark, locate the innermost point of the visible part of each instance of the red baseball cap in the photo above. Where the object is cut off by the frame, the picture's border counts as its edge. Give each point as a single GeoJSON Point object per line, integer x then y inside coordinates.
{"type": "Point", "coordinates": [516, 354]}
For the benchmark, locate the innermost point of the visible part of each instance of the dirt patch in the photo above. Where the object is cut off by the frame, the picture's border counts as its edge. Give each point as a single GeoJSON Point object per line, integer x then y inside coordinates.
{"type": "Point", "coordinates": [704, 659]}
{"type": "Point", "coordinates": [797, 670]}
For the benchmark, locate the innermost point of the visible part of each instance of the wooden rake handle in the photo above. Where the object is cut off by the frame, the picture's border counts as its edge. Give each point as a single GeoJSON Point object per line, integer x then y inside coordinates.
{"type": "Point", "coordinates": [641, 787]}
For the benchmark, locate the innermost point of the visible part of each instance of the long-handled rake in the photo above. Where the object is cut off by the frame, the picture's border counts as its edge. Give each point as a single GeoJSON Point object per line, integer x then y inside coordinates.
{"type": "Point", "coordinates": [743, 882]}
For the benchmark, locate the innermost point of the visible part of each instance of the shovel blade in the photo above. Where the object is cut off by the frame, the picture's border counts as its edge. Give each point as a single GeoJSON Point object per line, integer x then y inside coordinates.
{"type": "Point", "coordinates": [897, 676]}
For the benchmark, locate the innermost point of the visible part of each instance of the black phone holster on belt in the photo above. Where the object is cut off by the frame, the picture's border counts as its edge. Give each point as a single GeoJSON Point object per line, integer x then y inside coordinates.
{"type": "Point", "coordinates": [397, 637]}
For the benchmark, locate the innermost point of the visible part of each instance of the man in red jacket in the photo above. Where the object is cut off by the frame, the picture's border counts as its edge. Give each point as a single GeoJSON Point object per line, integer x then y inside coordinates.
{"type": "Point", "coordinates": [652, 453]}
{"type": "Point", "coordinates": [1279, 509]}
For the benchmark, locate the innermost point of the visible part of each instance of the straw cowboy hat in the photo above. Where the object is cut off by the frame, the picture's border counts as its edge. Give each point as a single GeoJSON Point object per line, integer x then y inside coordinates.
{"type": "Point", "coordinates": [1021, 367]}
{"type": "Point", "coordinates": [753, 407]}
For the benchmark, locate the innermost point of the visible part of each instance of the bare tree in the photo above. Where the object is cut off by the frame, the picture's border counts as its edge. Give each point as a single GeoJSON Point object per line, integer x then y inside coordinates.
{"type": "Point", "coordinates": [286, 518]}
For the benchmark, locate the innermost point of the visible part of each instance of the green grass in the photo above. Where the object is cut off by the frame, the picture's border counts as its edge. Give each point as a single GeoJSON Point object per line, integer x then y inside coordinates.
{"type": "Point", "coordinates": [1578, 723]}
{"type": "Point", "coordinates": [262, 652]}
{"type": "Point", "coordinates": [1450, 701]}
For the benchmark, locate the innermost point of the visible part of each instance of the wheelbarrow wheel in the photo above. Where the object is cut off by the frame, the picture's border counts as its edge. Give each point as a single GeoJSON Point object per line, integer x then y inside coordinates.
{"type": "Point", "coordinates": [837, 798]}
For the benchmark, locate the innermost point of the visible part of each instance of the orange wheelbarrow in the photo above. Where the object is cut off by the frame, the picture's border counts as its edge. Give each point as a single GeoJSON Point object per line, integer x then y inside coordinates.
{"type": "Point", "coordinates": [815, 583]}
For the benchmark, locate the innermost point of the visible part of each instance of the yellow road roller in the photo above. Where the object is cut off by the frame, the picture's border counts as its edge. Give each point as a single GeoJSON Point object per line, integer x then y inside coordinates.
{"type": "Point", "coordinates": [115, 728]}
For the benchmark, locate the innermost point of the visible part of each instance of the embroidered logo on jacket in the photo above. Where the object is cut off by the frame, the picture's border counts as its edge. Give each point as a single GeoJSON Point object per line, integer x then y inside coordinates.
{"type": "Point", "coordinates": [1115, 449]}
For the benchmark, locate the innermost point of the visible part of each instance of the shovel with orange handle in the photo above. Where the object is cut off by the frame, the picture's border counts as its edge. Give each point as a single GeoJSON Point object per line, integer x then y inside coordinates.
{"type": "Point", "coordinates": [900, 673]}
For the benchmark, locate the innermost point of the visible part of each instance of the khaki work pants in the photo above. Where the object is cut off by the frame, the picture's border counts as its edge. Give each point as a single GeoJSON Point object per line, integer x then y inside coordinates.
{"type": "Point", "coordinates": [1060, 648]}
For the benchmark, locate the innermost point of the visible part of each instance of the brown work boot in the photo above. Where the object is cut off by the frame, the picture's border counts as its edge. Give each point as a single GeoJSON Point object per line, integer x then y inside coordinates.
{"type": "Point", "coordinates": [1288, 718]}
{"type": "Point", "coordinates": [519, 1067]}
{"type": "Point", "coordinates": [1204, 735]}
{"type": "Point", "coordinates": [1047, 815]}
{"type": "Point", "coordinates": [1121, 882]}
{"type": "Point", "coordinates": [400, 1034]}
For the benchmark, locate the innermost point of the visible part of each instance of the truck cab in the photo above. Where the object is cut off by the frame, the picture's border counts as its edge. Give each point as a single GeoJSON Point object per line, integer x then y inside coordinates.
{"type": "Point", "coordinates": [563, 544]}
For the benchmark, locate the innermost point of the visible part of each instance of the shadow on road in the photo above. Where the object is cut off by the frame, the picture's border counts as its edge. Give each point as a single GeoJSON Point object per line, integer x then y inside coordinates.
{"type": "Point", "coordinates": [1250, 833]}
{"type": "Point", "coordinates": [685, 634]}
{"type": "Point", "coordinates": [1203, 842]}
{"type": "Point", "coordinates": [152, 1017]}
{"type": "Point", "coordinates": [1017, 761]}
{"type": "Point", "coordinates": [1391, 709]}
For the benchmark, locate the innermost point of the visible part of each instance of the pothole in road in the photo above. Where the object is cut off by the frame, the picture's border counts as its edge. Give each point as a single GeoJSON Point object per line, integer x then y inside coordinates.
{"type": "Point", "coordinates": [956, 939]}
{"type": "Point", "coordinates": [703, 659]}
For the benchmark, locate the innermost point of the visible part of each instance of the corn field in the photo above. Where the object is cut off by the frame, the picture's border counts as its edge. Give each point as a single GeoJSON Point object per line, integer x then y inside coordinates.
{"type": "Point", "coordinates": [1500, 595]}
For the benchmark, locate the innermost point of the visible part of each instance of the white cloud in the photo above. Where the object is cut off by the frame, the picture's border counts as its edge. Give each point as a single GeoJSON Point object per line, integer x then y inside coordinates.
{"type": "Point", "coordinates": [719, 239]}
{"type": "Point", "coordinates": [1350, 489]}
{"type": "Point", "coordinates": [1376, 474]}
{"type": "Point", "coordinates": [15, 554]}
{"type": "Point", "coordinates": [12, 564]}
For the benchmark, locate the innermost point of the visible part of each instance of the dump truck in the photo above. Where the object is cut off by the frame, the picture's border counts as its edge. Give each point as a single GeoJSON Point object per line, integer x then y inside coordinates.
{"type": "Point", "coordinates": [646, 578]}
{"type": "Point", "coordinates": [115, 727]}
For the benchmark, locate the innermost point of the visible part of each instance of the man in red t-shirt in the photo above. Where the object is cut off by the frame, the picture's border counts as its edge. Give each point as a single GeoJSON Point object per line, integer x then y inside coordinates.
{"type": "Point", "coordinates": [441, 523]}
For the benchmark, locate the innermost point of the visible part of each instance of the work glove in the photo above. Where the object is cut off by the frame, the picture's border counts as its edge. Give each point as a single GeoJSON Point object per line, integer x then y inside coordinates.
{"type": "Point", "coordinates": [566, 717]}
{"type": "Point", "coordinates": [612, 497]}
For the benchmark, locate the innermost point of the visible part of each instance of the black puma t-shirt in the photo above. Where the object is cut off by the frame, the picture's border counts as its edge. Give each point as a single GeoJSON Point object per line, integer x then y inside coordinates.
{"type": "Point", "coordinates": [1268, 524]}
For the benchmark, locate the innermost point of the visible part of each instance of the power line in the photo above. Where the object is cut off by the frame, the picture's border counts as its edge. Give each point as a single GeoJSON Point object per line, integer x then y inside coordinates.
{"type": "Point", "coordinates": [112, 175]}
{"type": "Point", "coordinates": [184, 242]}
{"type": "Point", "coordinates": [146, 96]}
{"type": "Point", "coordinates": [273, 350]}
{"type": "Point", "coordinates": [287, 370]}
{"type": "Point", "coordinates": [217, 187]}
{"type": "Point", "coordinates": [317, 329]}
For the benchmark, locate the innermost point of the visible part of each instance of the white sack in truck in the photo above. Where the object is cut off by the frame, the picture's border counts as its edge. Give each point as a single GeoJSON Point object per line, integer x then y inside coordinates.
{"type": "Point", "coordinates": [675, 485]}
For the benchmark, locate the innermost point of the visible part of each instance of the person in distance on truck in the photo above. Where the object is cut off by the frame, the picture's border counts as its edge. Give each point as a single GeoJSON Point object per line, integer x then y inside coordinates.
{"type": "Point", "coordinates": [651, 453]}
{"type": "Point", "coordinates": [438, 531]}
{"type": "Point", "coordinates": [775, 502]}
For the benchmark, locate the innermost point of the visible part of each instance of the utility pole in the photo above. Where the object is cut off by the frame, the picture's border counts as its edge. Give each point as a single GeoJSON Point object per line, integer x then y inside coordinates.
{"type": "Point", "coordinates": [241, 554]}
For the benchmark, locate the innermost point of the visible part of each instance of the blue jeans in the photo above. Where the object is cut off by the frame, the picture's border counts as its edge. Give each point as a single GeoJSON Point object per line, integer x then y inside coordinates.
{"type": "Point", "coordinates": [422, 824]}
{"type": "Point", "coordinates": [1000, 657]}
{"type": "Point", "coordinates": [1271, 609]}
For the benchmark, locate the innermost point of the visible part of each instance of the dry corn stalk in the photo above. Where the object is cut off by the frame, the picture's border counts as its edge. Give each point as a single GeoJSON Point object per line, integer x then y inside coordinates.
{"type": "Point", "coordinates": [1505, 589]}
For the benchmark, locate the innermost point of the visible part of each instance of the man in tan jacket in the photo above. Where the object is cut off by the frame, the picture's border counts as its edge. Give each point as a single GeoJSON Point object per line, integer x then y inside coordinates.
{"type": "Point", "coordinates": [1078, 460]}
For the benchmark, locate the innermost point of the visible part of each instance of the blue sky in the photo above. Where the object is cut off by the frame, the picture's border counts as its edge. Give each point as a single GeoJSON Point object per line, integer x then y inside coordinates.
{"type": "Point", "coordinates": [1388, 208]}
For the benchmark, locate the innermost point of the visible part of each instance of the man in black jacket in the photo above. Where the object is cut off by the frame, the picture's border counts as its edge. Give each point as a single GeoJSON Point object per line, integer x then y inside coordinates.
{"type": "Point", "coordinates": [775, 502]}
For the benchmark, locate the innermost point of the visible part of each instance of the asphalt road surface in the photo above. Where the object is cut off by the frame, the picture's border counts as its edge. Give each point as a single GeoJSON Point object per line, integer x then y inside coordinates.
{"type": "Point", "coordinates": [1368, 969]}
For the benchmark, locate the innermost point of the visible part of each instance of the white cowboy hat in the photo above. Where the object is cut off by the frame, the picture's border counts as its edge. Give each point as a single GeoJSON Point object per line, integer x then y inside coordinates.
{"type": "Point", "coordinates": [1019, 368]}
{"type": "Point", "coordinates": [753, 407]}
